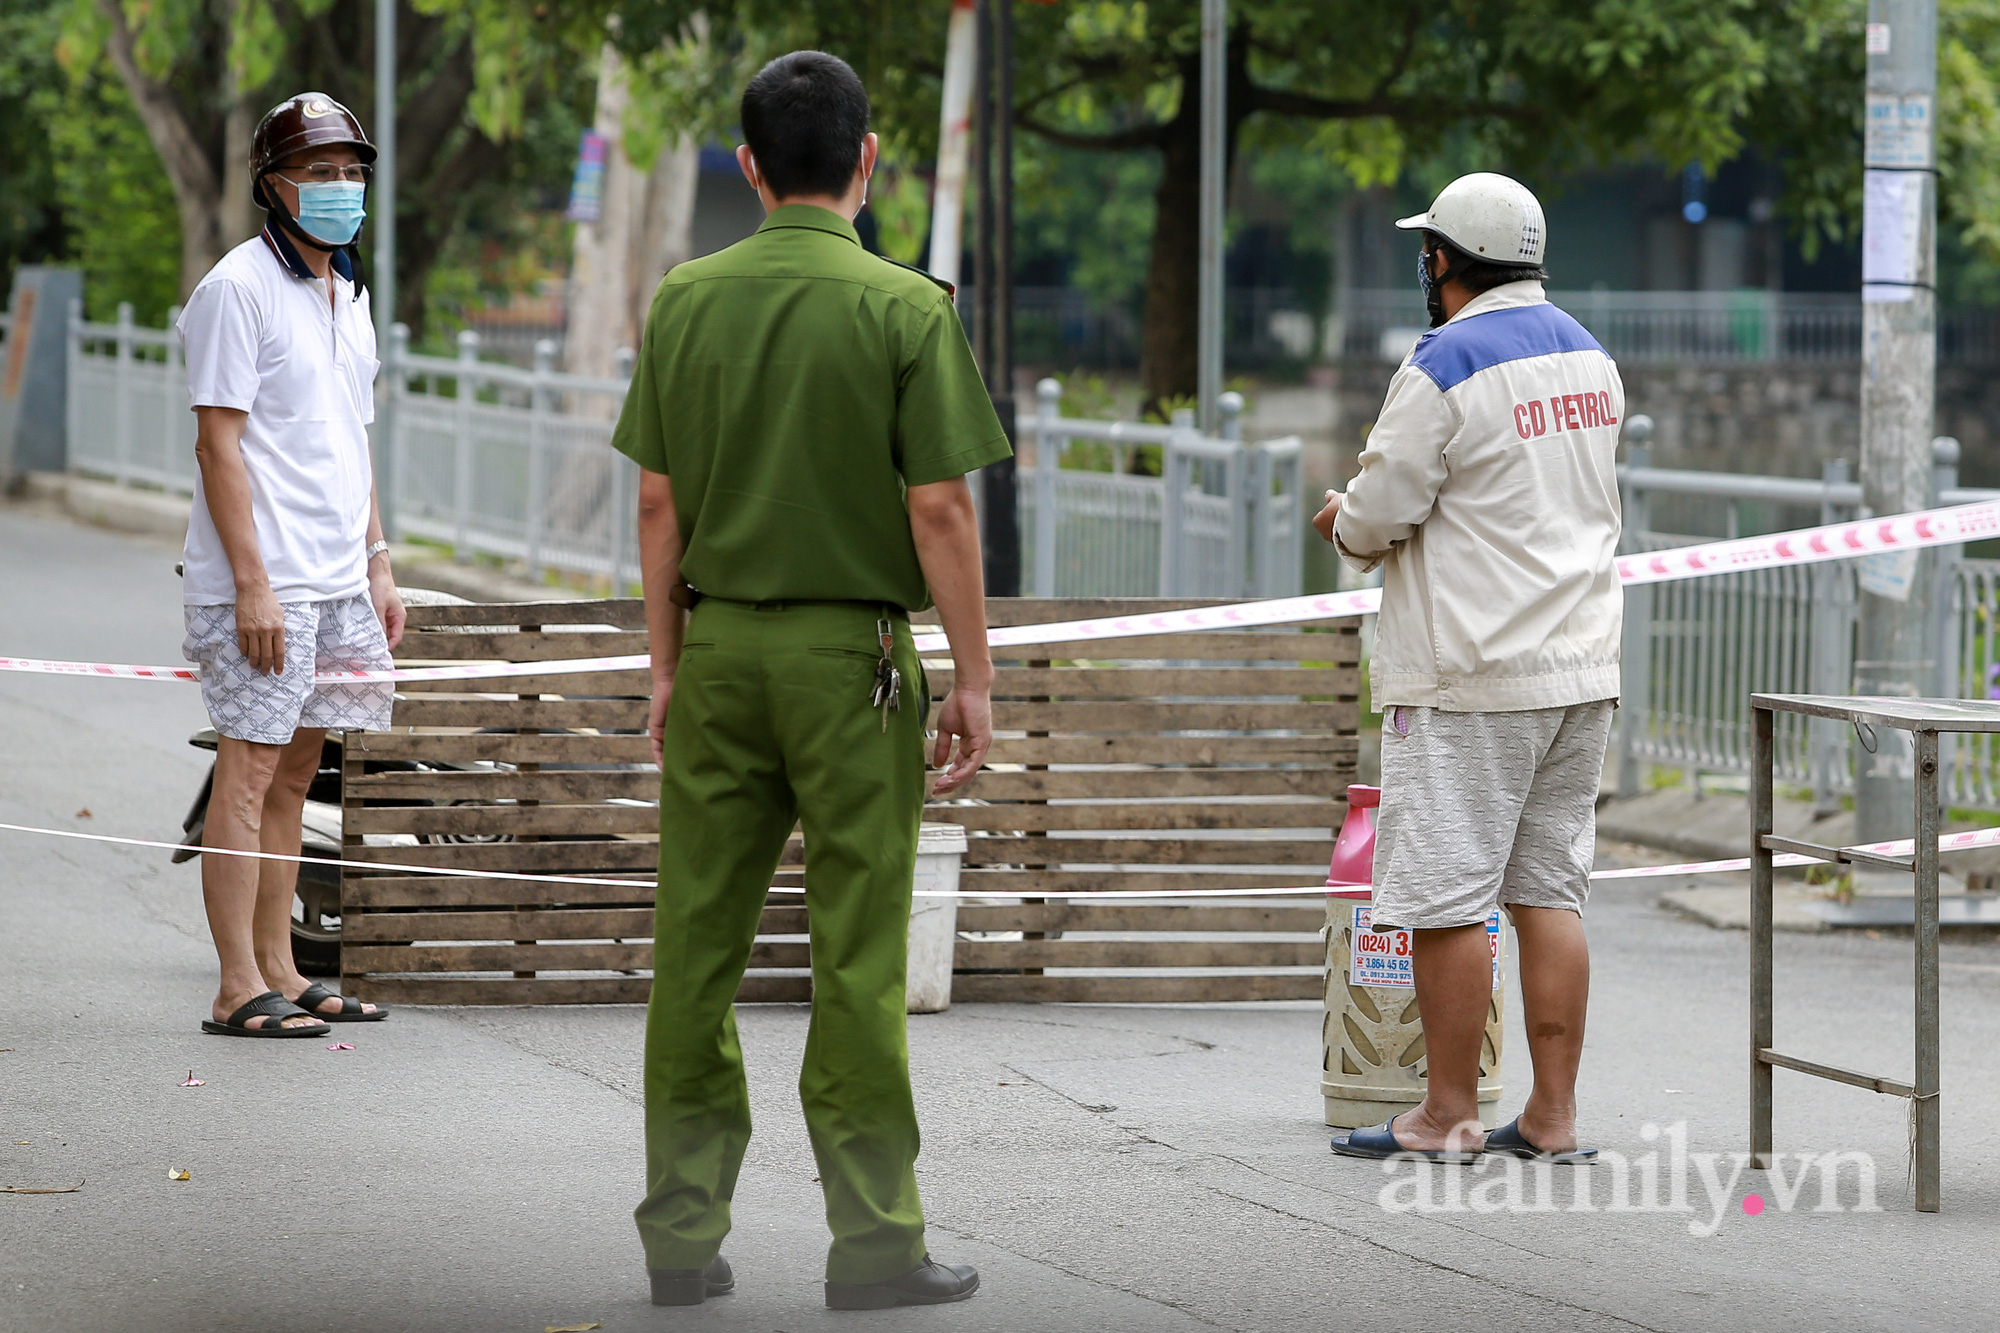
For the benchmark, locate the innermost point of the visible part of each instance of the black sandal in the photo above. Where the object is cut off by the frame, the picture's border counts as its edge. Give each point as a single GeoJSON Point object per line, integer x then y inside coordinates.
{"type": "Point", "coordinates": [315, 995]}
{"type": "Point", "coordinates": [269, 1005]}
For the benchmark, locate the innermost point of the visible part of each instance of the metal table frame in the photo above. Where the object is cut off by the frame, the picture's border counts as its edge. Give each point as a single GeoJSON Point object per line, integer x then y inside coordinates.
{"type": "Point", "coordinates": [1924, 719]}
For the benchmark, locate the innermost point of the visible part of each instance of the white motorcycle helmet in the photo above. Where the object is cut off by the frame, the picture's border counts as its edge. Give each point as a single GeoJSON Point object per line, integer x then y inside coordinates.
{"type": "Point", "coordinates": [1488, 216]}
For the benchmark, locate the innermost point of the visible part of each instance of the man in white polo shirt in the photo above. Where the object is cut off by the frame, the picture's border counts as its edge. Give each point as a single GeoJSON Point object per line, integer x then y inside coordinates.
{"type": "Point", "coordinates": [286, 572]}
{"type": "Point", "coordinates": [1488, 496]}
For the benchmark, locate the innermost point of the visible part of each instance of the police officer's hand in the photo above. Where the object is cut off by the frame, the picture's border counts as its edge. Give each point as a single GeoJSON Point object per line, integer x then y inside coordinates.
{"type": "Point", "coordinates": [1323, 520]}
{"type": "Point", "coordinates": [260, 628]}
{"type": "Point", "coordinates": [656, 716]}
{"type": "Point", "coordinates": [967, 715]}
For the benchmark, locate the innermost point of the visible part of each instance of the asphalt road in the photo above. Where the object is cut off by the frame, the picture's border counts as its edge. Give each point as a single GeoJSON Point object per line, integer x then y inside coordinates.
{"type": "Point", "coordinates": [1109, 1168]}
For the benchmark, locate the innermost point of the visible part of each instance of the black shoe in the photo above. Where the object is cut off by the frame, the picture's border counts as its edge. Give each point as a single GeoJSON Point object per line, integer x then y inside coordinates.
{"type": "Point", "coordinates": [929, 1283]}
{"type": "Point", "coordinates": [691, 1286]}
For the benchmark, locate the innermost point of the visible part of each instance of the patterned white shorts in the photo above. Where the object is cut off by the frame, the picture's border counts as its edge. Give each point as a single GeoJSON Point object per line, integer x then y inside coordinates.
{"type": "Point", "coordinates": [247, 705]}
{"type": "Point", "coordinates": [1484, 809]}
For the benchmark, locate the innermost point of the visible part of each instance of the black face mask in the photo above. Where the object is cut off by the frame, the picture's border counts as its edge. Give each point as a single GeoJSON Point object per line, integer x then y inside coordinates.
{"type": "Point", "coordinates": [1433, 284]}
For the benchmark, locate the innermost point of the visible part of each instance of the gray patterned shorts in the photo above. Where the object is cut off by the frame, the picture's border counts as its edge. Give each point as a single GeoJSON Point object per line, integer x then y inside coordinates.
{"type": "Point", "coordinates": [247, 705]}
{"type": "Point", "coordinates": [1484, 809]}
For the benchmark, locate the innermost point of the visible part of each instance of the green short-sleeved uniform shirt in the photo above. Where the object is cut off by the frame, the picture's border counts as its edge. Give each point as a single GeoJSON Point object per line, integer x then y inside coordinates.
{"type": "Point", "coordinates": [793, 385]}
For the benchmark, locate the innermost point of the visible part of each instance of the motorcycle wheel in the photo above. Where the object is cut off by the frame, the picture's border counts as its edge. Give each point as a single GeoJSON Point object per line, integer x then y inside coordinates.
{"type": "Point", "coordinates": [316, 920]}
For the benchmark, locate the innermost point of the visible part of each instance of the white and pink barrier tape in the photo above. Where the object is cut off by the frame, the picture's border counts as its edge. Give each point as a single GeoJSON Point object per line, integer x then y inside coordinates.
{"type": "Point", "coordinates": [1837, 541]}
{"type": "Point", "coordinates": [1950, 842]}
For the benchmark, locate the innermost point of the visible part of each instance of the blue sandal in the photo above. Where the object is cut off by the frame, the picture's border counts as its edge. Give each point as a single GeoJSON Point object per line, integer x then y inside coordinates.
{"type": "Point", "coordinates": [1509, 1140]}
{"type": "Point", "coordinates": [1379, 1144]}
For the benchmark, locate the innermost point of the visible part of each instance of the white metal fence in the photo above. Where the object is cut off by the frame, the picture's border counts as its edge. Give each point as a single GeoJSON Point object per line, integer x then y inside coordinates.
{"type": "Point", "coordinates": [1149, 510]}
{"type": "Point", "coordinates": [1061, 326]}
{"type": "Point", "coordinates": [495, 460]}
{"type": "Point", "coordinates": [1695, 650]}
{"type": "Point", "coordinates": [1677, 327]}
{"type": "Point", "coordinates": [128, 413]}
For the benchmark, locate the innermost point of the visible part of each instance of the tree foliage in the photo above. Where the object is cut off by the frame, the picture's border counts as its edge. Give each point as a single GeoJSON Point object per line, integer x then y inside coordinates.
{"type": "Point", "coordinates": [1324, 96]}
{"type": "Point", "coordinates": [32, 226]}
{"type": "Point", "coordinates": [115, 199]}
{"type": "Point", "coordinates": [1367, 87]}
{"type": "Point", "coordinates": [477, 107]}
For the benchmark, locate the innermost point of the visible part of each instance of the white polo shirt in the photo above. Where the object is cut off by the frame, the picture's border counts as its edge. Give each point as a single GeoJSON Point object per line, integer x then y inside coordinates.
{"type": "Point", "coordinates": [261, 337]}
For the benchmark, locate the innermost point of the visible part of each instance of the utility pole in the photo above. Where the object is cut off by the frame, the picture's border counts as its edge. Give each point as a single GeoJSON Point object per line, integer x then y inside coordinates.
{"type": "Point", "coordinates": [1894, 653]}
{"type": "Point", "coordinates": [1214, 191]}
{"type": "Point", "coordinates": [993, 276]}
{"type": "Point", "coordinates": [384, 297]}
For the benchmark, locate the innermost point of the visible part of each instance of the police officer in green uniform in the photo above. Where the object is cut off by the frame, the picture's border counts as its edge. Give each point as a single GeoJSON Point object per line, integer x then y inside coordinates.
{"type": "Point", "coordinates": [804, 413]}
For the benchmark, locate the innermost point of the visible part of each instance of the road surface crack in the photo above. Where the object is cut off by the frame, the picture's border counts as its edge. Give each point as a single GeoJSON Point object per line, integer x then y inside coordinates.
{"type": "Point", "coordinates": [1439, 1265]}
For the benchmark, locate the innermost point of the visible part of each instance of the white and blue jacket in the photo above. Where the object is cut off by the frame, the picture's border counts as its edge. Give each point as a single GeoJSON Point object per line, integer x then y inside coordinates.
{"type": "Point", "coordinates": [1488, 494]}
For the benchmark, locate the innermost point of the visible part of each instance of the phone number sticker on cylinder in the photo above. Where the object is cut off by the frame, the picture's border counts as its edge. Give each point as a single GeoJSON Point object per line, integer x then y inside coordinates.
{"type": "Point", "coordinates": [1385, 957]}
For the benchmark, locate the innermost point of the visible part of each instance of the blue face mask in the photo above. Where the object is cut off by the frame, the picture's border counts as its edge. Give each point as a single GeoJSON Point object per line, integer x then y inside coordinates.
{"type": "Point", "coordinates": [331, 211]}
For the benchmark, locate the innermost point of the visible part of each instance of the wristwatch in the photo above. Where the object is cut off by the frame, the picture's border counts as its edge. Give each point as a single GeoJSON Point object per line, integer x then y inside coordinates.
{"type": "Point", "coordinates": [378, 548]}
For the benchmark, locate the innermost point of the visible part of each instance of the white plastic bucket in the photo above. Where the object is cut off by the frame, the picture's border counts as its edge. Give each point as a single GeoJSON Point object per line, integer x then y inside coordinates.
{"type": "Point", "coordinates": [934, 921]}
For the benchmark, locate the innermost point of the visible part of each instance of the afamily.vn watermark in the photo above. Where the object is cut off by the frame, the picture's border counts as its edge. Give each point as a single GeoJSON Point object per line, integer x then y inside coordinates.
{"type": "Point", "coordinates": [1702, 1185]}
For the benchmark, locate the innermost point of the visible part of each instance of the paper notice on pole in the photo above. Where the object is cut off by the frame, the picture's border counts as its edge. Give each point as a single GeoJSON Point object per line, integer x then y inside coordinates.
{"type": "Point", "coordinates": [1385, 957]}
{"type": "Point", "coordinates": [1888, 574]}
{"type": "Point", "coordinates": [1892, 230]}
{"type": "Point", "coordinates": [586, 187]}
{"type": "Point", "coordinates": [1897, 131]}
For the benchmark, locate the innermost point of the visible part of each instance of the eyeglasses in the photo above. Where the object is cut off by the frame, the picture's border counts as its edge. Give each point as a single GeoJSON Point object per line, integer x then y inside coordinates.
{"type": "Point", "coordinates": [322, 173]}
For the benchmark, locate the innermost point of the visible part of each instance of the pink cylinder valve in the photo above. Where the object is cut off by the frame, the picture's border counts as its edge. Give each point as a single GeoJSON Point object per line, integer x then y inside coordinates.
{"type": "Point", "coordinates": [1353, 868]}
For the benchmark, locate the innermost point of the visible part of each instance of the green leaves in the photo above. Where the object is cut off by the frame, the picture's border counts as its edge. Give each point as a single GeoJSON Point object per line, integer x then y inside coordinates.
{"type": "Point", "coordinates": [1968, 124]}
{"type": "Point", "coordinates": [256, 45]}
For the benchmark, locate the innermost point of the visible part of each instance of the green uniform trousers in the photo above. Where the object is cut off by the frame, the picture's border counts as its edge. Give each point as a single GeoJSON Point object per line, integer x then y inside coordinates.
{"type": "Point", "coordinates": [770, 723]}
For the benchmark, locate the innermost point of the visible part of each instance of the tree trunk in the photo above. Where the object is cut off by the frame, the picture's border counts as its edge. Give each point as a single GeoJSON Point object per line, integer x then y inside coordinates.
{"type": "Point", "coordinates": [1167, 341]}
{"type": "Point", "coordinates": [600, 285]}
{"type": "Point", "coordinates": [197, 192]}
{"type": "Point", "coordinates": [238, 217]}
{"type": "Point", "coordinates": [665, 233]}
{"type": "Point", "coordinates": [644, 228]}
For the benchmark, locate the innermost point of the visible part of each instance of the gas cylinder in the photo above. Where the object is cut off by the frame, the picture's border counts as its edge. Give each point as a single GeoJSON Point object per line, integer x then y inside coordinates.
{"type": "Point", "coordinates": [1372, 1039]}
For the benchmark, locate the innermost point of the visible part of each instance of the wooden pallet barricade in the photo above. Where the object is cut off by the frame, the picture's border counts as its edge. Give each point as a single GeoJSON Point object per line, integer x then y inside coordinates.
{"type": "Point", "coordinates": [1210, 760]}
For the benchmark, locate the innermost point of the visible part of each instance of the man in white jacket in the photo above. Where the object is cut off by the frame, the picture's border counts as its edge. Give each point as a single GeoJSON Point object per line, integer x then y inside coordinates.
{"type": "Point", "coordinates": [1488, 497]}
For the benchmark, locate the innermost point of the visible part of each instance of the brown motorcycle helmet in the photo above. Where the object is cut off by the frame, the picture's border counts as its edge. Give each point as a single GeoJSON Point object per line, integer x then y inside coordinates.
{"type": "Point", "coordinates": [309, 120]}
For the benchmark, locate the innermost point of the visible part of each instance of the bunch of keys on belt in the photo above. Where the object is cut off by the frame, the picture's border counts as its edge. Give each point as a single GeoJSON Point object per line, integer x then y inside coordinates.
{"type": "Point", "coordinates": [888, 691]}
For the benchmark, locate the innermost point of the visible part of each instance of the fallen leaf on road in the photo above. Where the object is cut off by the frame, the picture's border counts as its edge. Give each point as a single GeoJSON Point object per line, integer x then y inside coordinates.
{"type": "Point", "coordinates": [21, 1143]}
{"type": "Point", "coordinates": [341, 1046]}
{"type": "Point", "coordinates": [179, 1173]}
{"type": "Point", "coordinates": [192, 1082]}
{"type": "Point", "coordinates": [19, 1189]}
{"type": "Point", "coordinates": [571, 1328]}
{"type": "Point", "coordinates": [85, 813]}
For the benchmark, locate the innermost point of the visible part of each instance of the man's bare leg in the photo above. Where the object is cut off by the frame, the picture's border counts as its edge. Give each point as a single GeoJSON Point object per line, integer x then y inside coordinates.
{"type": "Point", "coordinates": [278, 881]}
{"type": "Point", "coordinates": [1454, 975]}
{"type": "Point", "coordinates": [229, 884]}
{"type": "Point", "coordinates": [1555, 993]}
